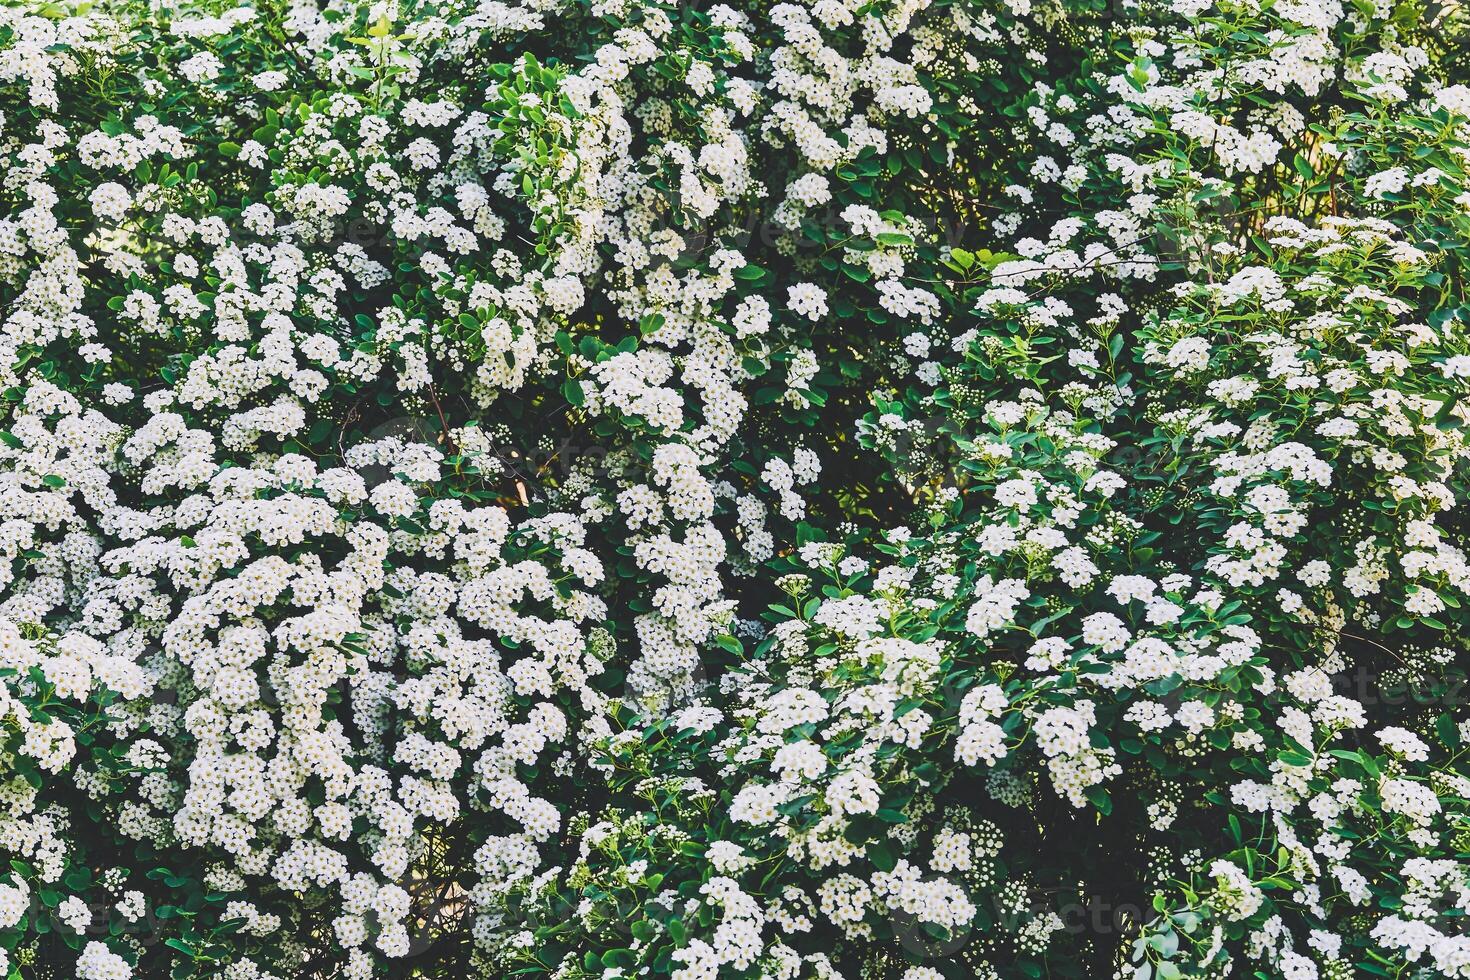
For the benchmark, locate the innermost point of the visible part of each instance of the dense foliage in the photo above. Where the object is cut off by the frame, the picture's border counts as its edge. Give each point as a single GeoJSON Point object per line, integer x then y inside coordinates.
{"type": "Point", "coordinates": [908, 489]}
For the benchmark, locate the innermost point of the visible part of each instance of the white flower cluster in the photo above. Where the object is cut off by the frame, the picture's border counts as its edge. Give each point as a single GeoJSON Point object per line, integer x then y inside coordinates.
{"type": "Point", "coordinates": [529, 488]}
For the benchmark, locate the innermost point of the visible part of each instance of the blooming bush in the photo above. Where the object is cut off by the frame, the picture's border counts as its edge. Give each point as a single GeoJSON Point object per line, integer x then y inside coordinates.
{"type": "Point", "coordinates": [904, 489]}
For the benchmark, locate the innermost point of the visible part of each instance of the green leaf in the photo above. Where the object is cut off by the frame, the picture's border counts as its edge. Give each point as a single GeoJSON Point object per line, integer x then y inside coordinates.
{"type": "Point", "coordinates": [1448, 731]}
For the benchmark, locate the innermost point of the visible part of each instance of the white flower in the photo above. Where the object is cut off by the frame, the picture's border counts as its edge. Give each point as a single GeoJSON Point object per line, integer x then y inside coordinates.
{"type": "Point", "coordinates": [807, 300]}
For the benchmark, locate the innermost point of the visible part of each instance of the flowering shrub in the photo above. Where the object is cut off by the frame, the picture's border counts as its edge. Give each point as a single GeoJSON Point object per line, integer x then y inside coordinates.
{"type": "Point", "coordinates": [906, 489]}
